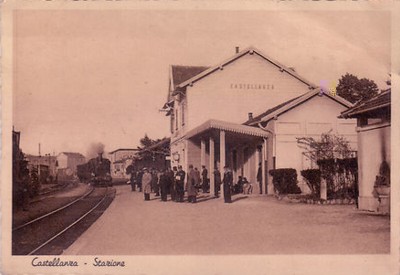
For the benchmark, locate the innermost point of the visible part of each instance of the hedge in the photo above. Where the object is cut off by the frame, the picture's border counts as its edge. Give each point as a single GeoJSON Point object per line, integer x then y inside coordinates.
{"type": "Point", "coordinates": [285, 180]}
{"type": "Point", "coordinates": [313, 180]}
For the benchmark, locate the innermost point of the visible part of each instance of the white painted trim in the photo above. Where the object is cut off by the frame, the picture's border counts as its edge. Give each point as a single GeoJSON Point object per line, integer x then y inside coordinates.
{"type": "Point", "coordinates": [373, 127]}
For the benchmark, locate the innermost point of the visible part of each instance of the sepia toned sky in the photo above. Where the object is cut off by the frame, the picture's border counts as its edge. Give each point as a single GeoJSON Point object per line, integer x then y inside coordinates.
{"type": "Point", "coordinates": [82, 77]}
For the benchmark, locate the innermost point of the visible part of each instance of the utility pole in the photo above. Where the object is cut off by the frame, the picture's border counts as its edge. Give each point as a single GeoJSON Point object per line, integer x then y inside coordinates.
{"type": "Point", "coordinates": [39, 164]}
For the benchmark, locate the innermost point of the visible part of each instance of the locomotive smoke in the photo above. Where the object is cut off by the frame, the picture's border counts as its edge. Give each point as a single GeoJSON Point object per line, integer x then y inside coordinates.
{"type": "Point", "coordinates": [95, 149]}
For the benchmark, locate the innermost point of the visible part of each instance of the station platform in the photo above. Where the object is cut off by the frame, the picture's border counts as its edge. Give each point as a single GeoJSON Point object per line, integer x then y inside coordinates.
{"type": "Point", "coordinates": [252, 224]}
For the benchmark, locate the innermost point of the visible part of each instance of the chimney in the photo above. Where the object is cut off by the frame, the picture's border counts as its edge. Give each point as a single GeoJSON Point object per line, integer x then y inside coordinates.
{"type": "Point", "coordinates": [237, 49]}
{"type": "Point", "coordinates": [250, 116]}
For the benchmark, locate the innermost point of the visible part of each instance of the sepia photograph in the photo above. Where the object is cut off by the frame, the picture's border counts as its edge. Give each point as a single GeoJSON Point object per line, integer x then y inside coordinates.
{"type": "Point", "coordinates": [199, 132]}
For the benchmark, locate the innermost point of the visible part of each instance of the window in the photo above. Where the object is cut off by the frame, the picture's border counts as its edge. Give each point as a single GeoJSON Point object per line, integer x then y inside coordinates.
{"type": "Point", "coordinates": [176, 120]}
{"type": "Point", "coordinates": [183, 113]}
{"type": "Point", "coordinates": [172, 122]}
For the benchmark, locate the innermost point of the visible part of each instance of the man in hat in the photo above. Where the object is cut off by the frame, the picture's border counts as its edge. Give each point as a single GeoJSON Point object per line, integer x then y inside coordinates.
{"type": "Point", "coordinates": [227, 181]}
{"type": "Point", "coordinates": [180, 184]}
{"type": "Point", "coordinates": [191, 185]}
{"type": "Point", "coordinates": [164, 184]}
{"type": "Point", "coordinates": [172, 188]}
{"type": "Point", "coordinates": [146, 184]}
{"type": "Point", "coordinates": [217, 182]}
{"type": "Point", "coordinates": [259, 177]}
{"type": "Point", "coordinates": [204, 175]}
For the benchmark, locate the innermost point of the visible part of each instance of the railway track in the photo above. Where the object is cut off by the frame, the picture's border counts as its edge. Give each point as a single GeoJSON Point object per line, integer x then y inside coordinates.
{"type": "Point", "coordinates": [55, 189]}
{"type": "Point", "coordinates": [51, 233]}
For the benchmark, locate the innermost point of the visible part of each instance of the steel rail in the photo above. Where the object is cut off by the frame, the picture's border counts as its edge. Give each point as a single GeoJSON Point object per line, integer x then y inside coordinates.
{"type": "Point", "coordinates": [54, 211]}
{"type": "Point", "coordinates": [55, 189]}
{"type": "Point", "coordinates": [69, 226]}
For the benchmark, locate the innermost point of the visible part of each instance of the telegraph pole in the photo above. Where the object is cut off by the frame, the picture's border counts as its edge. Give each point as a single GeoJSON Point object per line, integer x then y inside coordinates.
{"type": "Point", "coordinates": [39, 164]}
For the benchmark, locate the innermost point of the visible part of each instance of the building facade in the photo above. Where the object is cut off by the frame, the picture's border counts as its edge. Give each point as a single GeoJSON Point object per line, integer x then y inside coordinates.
{"type": "Point", "coordinates": [212, 123]}
{"type": "Point", "coordinates": [120, 160]}
{"type": "Point", "coordinates": [374, 150]}
{"type": "Point", "coordinates": [68, 161]}
{"type": "Point", "coordinates": [47, 160]}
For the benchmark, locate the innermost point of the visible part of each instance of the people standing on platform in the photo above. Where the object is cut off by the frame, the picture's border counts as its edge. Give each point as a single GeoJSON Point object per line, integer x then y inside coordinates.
{"type": "Point", "coordinates": [197, 179]}
{"type": "Point", "coordinates": [154, 182]}
{"type": "Point", "coordinates": [172, 173]}
{"type": "Point", "coordinates": [247, 186]}
{"type": "Point", "coordinates": [191, 185]}
{"type": "Point", "coordinates": [146, 184]}
{"type": "Point", "coordinates": [227, 181]}
{"type": "Point", "coordinates": [259, 177]}
{"type": "Point", "coordinates": [133, 180]}
{"type": "Point", "coordinates": [163, 182]}
{"type": "Point", "coordinates": [180, 182]}
{"type": "Point", "coordinates": [217, 182]}
{"type": "Point", "coordinates": [139, 176]}
{"type": "Point", "coordinates": [204, 174]}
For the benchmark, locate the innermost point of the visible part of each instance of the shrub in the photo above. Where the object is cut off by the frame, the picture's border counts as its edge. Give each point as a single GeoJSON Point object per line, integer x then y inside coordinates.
{"type": "Point", "coordinates": [285, 180]}
{"type": "Point", "coordinates": [313, 180]}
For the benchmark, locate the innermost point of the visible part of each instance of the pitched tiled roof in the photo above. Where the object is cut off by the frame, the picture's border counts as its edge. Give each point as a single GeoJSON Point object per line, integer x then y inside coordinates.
{"type": "Point", "coordinates": [292, 103]}
{"type": "Point", "coordinates": [382, 100]}
{"type": "Point", "coordinates": [258, 118]}
{"type": "Point", "coordinates": [250, 50]}
{"type": "Point", "coordinates": [182, 73]}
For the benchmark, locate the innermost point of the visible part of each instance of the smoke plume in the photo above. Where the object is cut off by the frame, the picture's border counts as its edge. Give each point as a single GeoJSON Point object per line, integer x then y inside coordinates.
{"type": "Point", "coordinates": [95, 149]}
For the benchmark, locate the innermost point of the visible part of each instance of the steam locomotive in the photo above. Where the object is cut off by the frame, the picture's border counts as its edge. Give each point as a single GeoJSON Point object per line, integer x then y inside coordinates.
{"type": "Point", "coordinates": [96, 171]}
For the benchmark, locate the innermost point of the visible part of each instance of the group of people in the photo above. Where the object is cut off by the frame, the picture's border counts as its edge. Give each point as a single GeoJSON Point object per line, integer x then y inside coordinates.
{"type": "Point", "coordinates": [176, 181]}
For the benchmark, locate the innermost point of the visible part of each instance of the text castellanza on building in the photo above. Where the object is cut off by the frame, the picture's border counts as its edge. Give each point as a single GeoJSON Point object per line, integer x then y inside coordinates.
{"type": "Point", "coordinates": [211, 116]}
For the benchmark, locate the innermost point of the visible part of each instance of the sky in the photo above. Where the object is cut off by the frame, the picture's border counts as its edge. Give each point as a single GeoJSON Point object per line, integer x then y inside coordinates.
{"type": "Point", "coordinates": [83, 77]}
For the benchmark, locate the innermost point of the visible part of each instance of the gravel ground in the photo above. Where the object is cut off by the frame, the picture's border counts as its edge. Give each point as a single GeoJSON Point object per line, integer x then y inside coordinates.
{"type": "Point", "coordinates": [250, 225]}
{"type": "Point", "coordinates": [49, 203]}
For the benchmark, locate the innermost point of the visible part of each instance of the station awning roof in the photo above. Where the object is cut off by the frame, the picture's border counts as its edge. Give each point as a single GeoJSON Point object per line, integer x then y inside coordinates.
{"type": "Point", "coordinates": [227, 126]}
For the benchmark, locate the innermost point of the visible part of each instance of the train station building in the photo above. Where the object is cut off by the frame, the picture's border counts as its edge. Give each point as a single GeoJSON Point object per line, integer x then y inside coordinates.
{"type": "Point", "coordinates": [246, 111]}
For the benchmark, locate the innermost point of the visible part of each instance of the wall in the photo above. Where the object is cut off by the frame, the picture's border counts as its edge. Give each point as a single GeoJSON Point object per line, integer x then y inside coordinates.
{"type": "Point", "coordinates": [120, 155]}
{"type": "Point", "coordinates": [62, 161]}
{"type": "Point", "coordinates": [178, 147]}
{"type": "Point", "coordinates": [217, 97]}
{"type": "Point", "coordinates": [194, 157]}
{"type": "Point", "coordinates": [75, 161]}
{"type": "Point", "coordinates": [309, 119]}
{"type": "Point", "coordinates": [373, 140]}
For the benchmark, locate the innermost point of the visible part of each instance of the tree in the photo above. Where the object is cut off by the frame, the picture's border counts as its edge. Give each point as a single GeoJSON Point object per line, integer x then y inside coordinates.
{"type": "Point", "coordinates": [329, 146]}
{"type": "Point", "coordinates": [353, 89]}
{"type": "Point", "coordinates": [337, 165]}
{"type": "Point", "coordinates": [147, 142]}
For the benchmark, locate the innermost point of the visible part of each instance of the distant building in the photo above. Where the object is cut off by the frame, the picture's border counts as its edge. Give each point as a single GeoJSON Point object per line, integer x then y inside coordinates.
{"type": "Point", "coordinates": [373, 132]}
{"type": "Point", "coordinates": [155, 156]}
{"type": "Point", "coordinates": [211, 116]}
{"type": "Point", "coordinates": [46, 161]}
{"type": "Point", "coordinates": [67, 162]}
{"type": "Point", "coordinates": [120, 160]}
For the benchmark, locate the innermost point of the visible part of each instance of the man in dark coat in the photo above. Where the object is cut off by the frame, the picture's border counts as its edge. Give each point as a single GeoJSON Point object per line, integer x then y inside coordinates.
{"type": "Point", "coordinates": [163, 180]}
{"type": "Point", "coordinates": [259, 177]}
{"type": "Point", "coordinates": [228, 181]}
{"type": "Point", "coordinates": [180, 184]}
{"type": "Point", "coordinates": [191, 185]}
{"type": "Point", "coordinates": [139, 177]}
{"type": "Point", "coordinates": [172, 190]}
{"type": "Point", "coordinates": [217, 182]}
{"type": "Point", "coordinates": [204, 175]}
